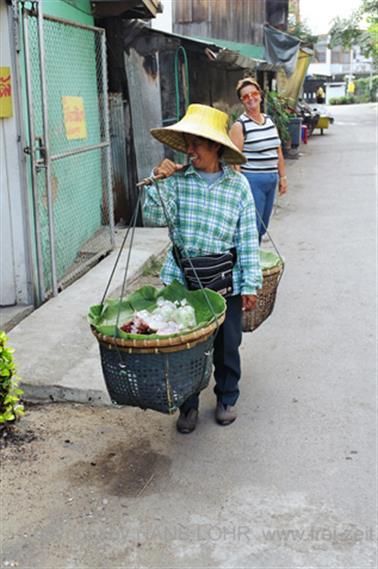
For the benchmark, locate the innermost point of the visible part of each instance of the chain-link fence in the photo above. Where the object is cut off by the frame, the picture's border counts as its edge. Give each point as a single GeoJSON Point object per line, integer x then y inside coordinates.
{"type": "Point", "coordinates": [70, 175]}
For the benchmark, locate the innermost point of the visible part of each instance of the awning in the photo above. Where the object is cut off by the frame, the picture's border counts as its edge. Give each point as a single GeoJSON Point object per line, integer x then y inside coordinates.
{"type": "Point", "coordinates": [127, 9]}
{"type": "Point", "coordinates": [226, 53]}
{"type": "Point", "coordinates": [252, 51]}
{"type": "Point", "coordinates": [241, 55]}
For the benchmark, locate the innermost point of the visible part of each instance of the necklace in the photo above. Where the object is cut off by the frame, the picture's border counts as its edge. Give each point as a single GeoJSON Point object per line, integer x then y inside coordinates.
{"type": "Point", "coordinates": [259, 121]}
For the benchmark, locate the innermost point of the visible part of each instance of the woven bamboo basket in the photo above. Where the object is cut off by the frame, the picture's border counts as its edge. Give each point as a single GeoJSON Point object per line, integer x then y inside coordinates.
{"type": "Point", "coordinates": [266, 298]}
{"type": "Point", "coordinates": [157, 374]}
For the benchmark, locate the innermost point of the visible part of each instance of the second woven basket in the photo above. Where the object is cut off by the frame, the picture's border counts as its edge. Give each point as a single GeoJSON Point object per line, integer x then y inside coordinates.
{"type": "Point", "coordinates": [266, 297]}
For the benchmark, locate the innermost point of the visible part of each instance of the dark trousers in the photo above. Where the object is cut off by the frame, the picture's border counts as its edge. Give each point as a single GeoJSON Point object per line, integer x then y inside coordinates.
{"type": "Point", "coordinates": [226, 357]}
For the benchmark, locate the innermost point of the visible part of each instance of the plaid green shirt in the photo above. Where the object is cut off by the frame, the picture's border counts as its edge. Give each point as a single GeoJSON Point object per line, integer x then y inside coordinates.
{"type": "Point", "coordinates": [209, 220]}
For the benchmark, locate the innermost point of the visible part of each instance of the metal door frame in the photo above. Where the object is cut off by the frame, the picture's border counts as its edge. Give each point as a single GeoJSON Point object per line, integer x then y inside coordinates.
{"type": "Point", "coordinates": [39, 150]}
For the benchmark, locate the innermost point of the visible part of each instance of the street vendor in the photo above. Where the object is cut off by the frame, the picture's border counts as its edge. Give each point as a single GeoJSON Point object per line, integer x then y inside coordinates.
{"type": "Point", "coordinates": [211, 215]}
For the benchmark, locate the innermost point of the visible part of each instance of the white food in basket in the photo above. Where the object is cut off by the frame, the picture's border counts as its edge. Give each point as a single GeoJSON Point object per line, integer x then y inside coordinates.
{"type": "Point", "coordinates": [168, 317]}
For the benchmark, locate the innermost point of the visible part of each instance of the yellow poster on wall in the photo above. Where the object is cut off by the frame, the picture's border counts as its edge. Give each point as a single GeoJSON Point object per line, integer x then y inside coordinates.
{"type": "Point", "coordinates": [74, 118]}
{"type": "Point", "coordinates": [6, 109]}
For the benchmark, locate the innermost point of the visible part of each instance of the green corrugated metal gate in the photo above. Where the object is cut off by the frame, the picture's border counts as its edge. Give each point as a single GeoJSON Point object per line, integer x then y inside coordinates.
{"type": "Point", "coordinates": [68, 147]}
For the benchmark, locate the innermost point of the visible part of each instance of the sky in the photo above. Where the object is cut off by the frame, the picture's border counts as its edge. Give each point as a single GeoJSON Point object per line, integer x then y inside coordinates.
{"type": "Point", "coordinates": [318, 14]}
{"type": "Point", "coordinates": [163, 21]}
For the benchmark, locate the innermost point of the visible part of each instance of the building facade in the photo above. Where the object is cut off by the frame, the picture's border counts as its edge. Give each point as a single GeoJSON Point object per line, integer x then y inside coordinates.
{"type": "Point", "coordinates": [237, 21]}
{"type": "Point", "coordinates": [338, 62]}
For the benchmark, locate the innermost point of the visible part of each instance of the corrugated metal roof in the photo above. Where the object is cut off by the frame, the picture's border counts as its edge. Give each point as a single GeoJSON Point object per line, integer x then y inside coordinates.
{"type": "Point", "coordinates": [126, 8]}
{"type": "Point", "coordinates": [236, 59]}
{"type": "Point", "coordinates": [247, 50]}
{"type": "Point", "coordinates": [233, 54]}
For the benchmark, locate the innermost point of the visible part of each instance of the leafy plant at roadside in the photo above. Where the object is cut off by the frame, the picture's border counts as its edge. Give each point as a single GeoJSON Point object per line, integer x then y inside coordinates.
{"type": "Point", "coordinates": [153, 267]}
{"type": "Point", "coordinates": [277, 109]}
{"type": "Point", "coordinates": [367, 88]}
{"type": "Point", "coordinates": [10, 406]}
{"type": "Point", "coordinates": [349, 100]}
{"type": "Point", "coordinates": [344, 100]}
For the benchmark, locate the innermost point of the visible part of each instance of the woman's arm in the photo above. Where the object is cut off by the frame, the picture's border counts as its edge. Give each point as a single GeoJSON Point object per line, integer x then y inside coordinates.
{"type": "Point", "coordinates": [237, 137]}
{"type": "Point", "coordinates": [153, 210]}
{"type": "Point", "coordinates": [282, 184]}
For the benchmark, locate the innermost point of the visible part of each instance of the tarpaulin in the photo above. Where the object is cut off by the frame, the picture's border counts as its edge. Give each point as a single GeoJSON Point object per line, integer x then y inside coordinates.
{"type": "Point", "coordinates": [294, 83]}
{"type": "Point", "coordinates": [281, 48]}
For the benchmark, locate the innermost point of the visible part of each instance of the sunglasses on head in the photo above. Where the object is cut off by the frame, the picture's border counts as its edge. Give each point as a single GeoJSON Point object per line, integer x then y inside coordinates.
{"type": "Point", "coordinates": [250, 96]}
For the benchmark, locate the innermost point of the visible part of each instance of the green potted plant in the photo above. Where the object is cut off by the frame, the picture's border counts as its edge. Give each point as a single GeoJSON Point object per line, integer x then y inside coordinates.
{"type": "Point", "coordinates": [277, 109]}
{"type": "Point", "coordinates": [10, 406]}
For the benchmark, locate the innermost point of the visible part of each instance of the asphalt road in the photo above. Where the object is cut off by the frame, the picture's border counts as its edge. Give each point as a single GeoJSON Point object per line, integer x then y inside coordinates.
{"type": "Point", "coordinates": [292, 483]}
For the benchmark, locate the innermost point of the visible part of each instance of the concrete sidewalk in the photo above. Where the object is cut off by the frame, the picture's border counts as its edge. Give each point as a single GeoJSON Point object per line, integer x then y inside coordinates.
{"type": "Point", "coordinates": [56, 355]}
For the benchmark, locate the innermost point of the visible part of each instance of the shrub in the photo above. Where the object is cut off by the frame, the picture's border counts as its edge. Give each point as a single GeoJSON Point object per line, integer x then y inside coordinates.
{"type": "Point", "coordinates": [152, 267]}
{"type": "Point", "coordinates": [364, 94]}
{"type": "Point", "coordinates": [363, 99]}
{"type": "Point", "coordinates": [337, 101]}
{"type": "Point", "coordinates": [278, 110]}
{"type": "Point", "coordinates": [367, 87]}
{"type": "Point", "coordinates": [345, 100]}
{"type": "Point", "coordinates": [10, 406]}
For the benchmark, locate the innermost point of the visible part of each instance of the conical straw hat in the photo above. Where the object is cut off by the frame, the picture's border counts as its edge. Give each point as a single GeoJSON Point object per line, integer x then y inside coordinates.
{"type": "Point", "coordinates": [204, 121]}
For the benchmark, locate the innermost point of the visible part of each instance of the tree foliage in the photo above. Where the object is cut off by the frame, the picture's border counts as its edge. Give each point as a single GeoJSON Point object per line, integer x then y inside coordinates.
{"type": "Point", "coordinates": [302, 31]}
{"type": "Point", "coordinates": [349, 32]}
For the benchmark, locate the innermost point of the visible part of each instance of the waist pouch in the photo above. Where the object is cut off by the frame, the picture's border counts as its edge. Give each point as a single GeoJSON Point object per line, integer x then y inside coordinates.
{"type": "Point", "coordinates": [213, 271]}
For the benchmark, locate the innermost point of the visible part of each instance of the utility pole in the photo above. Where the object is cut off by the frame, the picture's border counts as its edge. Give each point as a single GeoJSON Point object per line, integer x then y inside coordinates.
{"type": "Point", "coordinates": [351, 66]}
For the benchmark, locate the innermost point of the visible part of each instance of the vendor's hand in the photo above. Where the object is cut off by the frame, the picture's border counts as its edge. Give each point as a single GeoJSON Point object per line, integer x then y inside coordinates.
{"type": "Point", "coordinates": [282, 186]}
{"type": "Point", "coordinates": [249, 302]}
{"type": "Point", "coordinates": [166, 168]}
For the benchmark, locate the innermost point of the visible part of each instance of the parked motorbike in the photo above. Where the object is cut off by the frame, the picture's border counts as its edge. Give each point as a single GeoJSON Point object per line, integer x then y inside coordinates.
{"type": "Point", "coordinates": [309, 115]}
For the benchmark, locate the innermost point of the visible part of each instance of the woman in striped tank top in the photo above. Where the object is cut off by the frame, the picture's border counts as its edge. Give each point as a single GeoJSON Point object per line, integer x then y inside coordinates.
{"type": "Point", "coordinates": [256, 136]}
